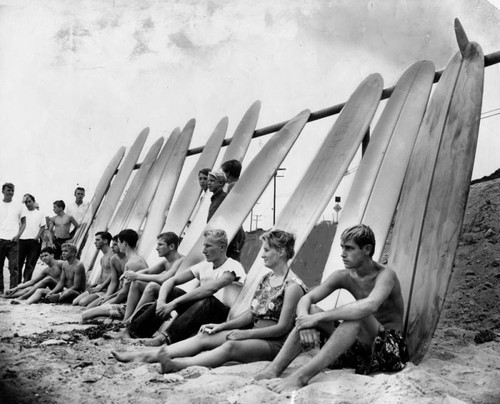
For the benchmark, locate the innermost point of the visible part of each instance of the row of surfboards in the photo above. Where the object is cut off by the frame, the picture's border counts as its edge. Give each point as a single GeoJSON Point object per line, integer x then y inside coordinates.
{"type": "Point", "coordinates": [414, 176]}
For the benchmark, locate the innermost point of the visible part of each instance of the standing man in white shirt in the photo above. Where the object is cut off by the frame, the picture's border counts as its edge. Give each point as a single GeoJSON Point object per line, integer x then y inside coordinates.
{"type": "Point", "coordinates": [78, 208]}
{"type": "Point", "coordinates": [29, 241]}
{"type": "Point", "coordinates": [11, 227]}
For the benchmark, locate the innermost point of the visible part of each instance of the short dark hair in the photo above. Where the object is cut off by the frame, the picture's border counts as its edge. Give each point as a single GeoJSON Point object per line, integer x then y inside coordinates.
{"type": "Point", "coordinates": [8, 185]}
{"type": "Point", "coordinates": [115, 238]}
{"type": "Point", "coordinates": [60, 204]}
{"type": "Point", "coordinates": [361, 234]}
{"type": "Point", "coordinates": [204, 171]}
{"type": "Point", "coordinates": [49, 250]}
{"type": "Point", "coordinates": [129, 236]}
{"type": "Point", "coordinates": [80, 189]}
{"type": "Point", "coordinates": [169, 238]}
{"type": "Point", "coordinates": [26, 196]}
{"type": "Point", "coordinates": [280, 239]}
{"type": "Point", "coordinates": [105, 235]}
{"type": "Point", "coordinates": [232, 168]}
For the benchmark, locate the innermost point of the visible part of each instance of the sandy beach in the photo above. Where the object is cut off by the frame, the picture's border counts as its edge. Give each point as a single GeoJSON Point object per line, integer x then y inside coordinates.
{"type": "Point", "coordinates": [47, 356]}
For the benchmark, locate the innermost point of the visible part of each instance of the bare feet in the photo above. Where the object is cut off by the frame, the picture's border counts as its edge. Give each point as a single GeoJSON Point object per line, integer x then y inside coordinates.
{"type": "Point", "coordinates": [289, 384]}
{"type": "Point", "coordinates": [159, 340]}
{"type": "Point", "coordinates": [117, 334]}
{"type": "Point", "coordinates": [167, 364]}
{"type": "Point", "coordinates": [266, 373]}
{"type": "Point", "coordinates": [123, 356]}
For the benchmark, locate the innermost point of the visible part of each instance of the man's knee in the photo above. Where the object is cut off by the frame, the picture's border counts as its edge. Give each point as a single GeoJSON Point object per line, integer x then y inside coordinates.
{"type": "Point", "coordinates": [152, 289]}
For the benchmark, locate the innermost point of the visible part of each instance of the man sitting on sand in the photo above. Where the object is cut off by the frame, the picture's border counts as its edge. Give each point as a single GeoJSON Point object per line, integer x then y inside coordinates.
{"type": "Point", "coordinates": [369, 338]}
{"type": "Point", "coordinates": [59, 227]}
{"type": "Point", "coordinates": [146, 282]}
{"type": "Point", "coordinates": [117, 264]}
{"type": "Point", "coordinates": [115, 306]}
{"type": "Point", "coordinates": [48, 278]}
{"type": "Point", "coordinates": [72, 281]}
{"type": "Point", "coordinates": [220, 279]}
{"type": "Point", "coordinates": [106, 285]}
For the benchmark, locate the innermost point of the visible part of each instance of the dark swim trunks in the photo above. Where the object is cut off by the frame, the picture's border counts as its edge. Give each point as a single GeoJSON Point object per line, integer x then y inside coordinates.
{"type": "Point", "coordinates": [388, 354]}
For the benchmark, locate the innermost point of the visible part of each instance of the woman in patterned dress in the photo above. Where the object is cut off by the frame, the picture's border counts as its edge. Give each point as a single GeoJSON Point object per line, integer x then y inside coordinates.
{"type": "Point", "coordinates": [257, 334]}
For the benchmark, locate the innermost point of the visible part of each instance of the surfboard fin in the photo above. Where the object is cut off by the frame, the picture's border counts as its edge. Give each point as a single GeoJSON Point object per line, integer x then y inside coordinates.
{"type": "Point", "coordinates": [461, 36]}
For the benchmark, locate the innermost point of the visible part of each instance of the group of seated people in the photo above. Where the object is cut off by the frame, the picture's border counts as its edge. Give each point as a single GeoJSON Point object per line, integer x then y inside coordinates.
{"type": "Point", "coordinates": [184, 311]}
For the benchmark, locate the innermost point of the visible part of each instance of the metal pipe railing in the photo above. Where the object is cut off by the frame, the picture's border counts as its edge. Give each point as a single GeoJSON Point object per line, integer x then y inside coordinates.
{"type": "Point", "coordinates": [489, 60]}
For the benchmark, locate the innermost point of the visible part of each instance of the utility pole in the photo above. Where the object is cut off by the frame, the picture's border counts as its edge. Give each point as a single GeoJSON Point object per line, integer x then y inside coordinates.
{"type": "Point", "coordinates": [251, 215]}
{"type": "Point", "coordinates": [256, 218]}
{"type": "Point", "coordinates": [274, 193]}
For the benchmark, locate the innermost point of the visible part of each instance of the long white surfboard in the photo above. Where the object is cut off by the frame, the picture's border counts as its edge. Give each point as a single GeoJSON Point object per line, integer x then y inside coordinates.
{"type": "Point", "coordinates": [165, 191]}
{"type": "Point", "coordinates": [113, 195]}
{"type": "Point", "coordinates": [322, 177]}
{"type": "Point", "coordinates": [441, 195]}
{"type": "Point", "coordinates": [134, 189]}
{"type": "Point", "coordinates": [183, 206]}
{"type": "Point", "coordinates": [95, 202]}
{"type": "Point", "coordinates": [143, 201]}
{"type": "Point", "coordinates": [252, 183]}
{"type": "Point", "coordinates": [377, 184]}
{"type": "Point", "coordinates": [235, 151]}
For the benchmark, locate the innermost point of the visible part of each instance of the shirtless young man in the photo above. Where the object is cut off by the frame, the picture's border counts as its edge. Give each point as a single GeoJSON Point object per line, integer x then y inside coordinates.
{"type": "Point", "coordinates": [59, 227]}
{"type": "Point", "coordinates": [370, 335]}
{"type": "Point", "coordinates": [146, 283]}
{"type": "Point", "coordinates": [48, 278]}
{"type": "Point", "coordinates": [104, 287]}
{"type": "Point", "coordinates": [72, 281]}
{"type": "Point", "coordinates": [115, 307]}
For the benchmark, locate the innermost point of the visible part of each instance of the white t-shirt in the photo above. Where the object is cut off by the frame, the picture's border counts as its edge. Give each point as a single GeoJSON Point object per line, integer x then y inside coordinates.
{"type": "Point", "coordinates": [10, 214]}
{"type": "Point", "coordinates": [34, 220]}
{"type": "Point", "coordinates": [205, 272]}
{"type": "Point", "coordinates": [78, 212]}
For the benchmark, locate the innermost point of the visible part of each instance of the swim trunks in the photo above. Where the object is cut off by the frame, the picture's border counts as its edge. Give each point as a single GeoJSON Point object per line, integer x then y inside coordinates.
{"type": "Point", "coordinates": [389, 353]}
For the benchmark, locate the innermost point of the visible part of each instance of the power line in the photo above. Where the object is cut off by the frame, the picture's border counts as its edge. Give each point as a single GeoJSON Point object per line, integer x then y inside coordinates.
{"type": "Point", "coordinates": [489, 116]}
{"type": "Point", "coordinates": [492, 110]}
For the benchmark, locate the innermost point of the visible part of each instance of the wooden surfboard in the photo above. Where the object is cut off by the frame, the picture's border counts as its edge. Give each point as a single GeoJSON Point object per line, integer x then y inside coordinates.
{"type": "Point", "coordinates": [322, 177]}
{"type": "Point", "coordinates": [252, 183]}
{"type": "Point", "coordinates": [377, 184]}
{"type": "Point", "coordinates": [237, 149]}
{"type": "Point", "coordinates": [165, 192]}
{"type": "Point", "coordinates": [134, 189]}
{"type": "Point", "coordinates": [95, 202]}
{"type": "Point", "coordinates": [113, 195]}
{"type": "Point", "coordinates": [440, 192]}
{"type": "Point", "coordinates": [188, 196]}
{"type": "Point", "coordinates": [143, 200]}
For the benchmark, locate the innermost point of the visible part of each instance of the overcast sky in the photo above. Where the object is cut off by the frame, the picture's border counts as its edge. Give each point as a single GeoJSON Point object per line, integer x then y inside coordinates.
{"type": "Point", "coordinates": [81, 78]}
